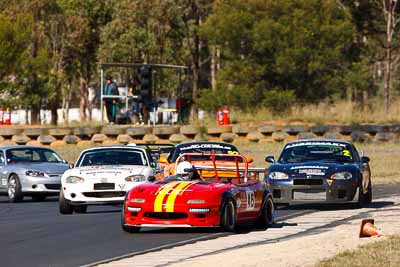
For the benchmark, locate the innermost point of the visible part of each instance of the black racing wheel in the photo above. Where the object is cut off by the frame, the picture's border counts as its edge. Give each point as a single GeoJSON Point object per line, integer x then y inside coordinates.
{"type": "Point", "coordinates": [64, 206]}
{"type": "Point", "coordinates": [267, 214]}
{"type": "Point", "coordinates": [228, 216]}
{"type": "Point", "coordinates": [14, 189]}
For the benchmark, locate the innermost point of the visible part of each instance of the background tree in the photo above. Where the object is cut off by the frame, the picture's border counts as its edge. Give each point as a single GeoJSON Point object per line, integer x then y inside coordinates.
{"type": "Point", "coordinates": [389, 11]}
{"type": "Point", "coordinates": [33, 60]}
{"type": "Point", "coordinates": [14, 34]}
{"type": "Point", "coordinates": [304, 46]}
{"type": "Point", "coordinates": [84, 22]}
{"type": "Point", "coordinates": [251, 53]}
{"type": "Point", "coordinates": [159, 31]}
{"type": "Point", "coordinates": [377, 36]}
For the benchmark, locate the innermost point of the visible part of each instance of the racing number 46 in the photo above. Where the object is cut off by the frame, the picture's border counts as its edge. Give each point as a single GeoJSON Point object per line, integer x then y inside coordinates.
{"type": "Point", "coordinates": [251, 200]}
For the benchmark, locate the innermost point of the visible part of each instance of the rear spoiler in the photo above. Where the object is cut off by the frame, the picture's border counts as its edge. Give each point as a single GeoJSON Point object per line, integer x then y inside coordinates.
{"type": "Point", "coordinates": [237, 169]}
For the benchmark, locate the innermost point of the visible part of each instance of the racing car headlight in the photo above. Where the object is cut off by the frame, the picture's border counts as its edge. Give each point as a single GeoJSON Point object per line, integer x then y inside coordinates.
{"type": "Point", "coordinates": [205, 210]}
{"type": "Point", "coordinates": [196, 201]}
{"type": "Point", "coordinates": [35, 173]}
{"type": "Point", "coordinates": [137, 200]}
{"type": "Point", "coordinates": [342, 176]}
{"type": "Point", "coordinates": [134, 209]}
{"type": "Point", "coordinates": [278, 176]}
{"type": "Point", "coordinates": [74, 180]}
{"type": "Point", "coordinates": [136, 178]}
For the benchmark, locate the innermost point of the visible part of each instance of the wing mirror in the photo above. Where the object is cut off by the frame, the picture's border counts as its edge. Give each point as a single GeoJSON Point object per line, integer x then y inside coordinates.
{"type": "Point", "coordinates": [71, 165]}
{"type": "Point", "coordinates": [163, 160]}
{"type": "Point", "coordinates": [365, 159]}
{"type": "Point", "coordinates": [249, 159]}
{"type": "Point", "coordinates": [270, 159]}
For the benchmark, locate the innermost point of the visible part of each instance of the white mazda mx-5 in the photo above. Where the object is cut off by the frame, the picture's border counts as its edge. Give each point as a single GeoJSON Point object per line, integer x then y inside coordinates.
{"type": "Point", "coordinates": [103, 175]}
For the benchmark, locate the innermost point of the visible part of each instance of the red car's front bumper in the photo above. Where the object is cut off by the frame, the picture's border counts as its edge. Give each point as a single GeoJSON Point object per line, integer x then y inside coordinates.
{"type": "Point", "coordinates": [182, 216]}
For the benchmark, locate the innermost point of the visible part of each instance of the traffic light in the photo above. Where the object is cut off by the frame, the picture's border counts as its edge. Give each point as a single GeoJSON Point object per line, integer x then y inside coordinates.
{"type": "Point", "coordinates": [145, 81]}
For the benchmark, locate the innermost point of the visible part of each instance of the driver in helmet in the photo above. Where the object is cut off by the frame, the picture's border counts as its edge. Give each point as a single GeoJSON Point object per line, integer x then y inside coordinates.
{"type": "Point", "coordinates": [185, 171]}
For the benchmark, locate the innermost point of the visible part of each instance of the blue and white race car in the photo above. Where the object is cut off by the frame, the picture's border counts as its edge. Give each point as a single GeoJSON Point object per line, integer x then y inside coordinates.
{"type": "Point", "coordinates": [319, 170]}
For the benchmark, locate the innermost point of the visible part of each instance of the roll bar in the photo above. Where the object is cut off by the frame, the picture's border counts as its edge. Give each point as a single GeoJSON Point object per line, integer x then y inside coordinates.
{"type": "Point", "coordinates": [215, 168]}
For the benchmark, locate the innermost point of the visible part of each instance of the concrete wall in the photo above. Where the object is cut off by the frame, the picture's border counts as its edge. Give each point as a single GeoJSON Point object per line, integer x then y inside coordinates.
{"type": "Point", "coordinates": [107, 135]}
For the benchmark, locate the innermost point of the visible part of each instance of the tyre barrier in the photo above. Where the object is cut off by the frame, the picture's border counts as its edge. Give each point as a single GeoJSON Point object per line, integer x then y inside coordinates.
{"type": "Point", "coordinates": [116, 134]}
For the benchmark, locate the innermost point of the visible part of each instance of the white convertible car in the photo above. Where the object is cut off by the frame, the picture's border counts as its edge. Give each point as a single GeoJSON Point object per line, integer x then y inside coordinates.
{"type": "Point", "coordinates": [103, 175]}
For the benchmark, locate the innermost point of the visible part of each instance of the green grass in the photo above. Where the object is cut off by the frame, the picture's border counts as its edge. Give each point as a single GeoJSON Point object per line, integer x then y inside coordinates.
{"type": "Point", "coordinates": [340, 112]}
{"type": "Point", "coordinates": [384, 161]}
{"type": "Point", "coordinates": [382, 253]}
{"type": "Point", "coordinates": [70, 152]}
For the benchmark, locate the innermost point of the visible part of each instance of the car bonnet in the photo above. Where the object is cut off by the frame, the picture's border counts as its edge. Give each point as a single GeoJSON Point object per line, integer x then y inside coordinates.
{"type": "Point", "coordinates": [113, 171]}
{"type": "Point", "coordinates": [311, 168]}
{"type": "Point", "coordinates": [49, 168]}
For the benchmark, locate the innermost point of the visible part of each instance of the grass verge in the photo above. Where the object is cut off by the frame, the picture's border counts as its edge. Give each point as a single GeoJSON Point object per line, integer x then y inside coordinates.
{"type": "Point", "coordinates": [325, 113]}
{"type": "Point", "coordinates": [381, 253]}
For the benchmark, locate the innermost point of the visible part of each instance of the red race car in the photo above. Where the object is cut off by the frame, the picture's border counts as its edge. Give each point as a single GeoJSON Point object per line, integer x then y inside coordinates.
{"type": "Point", "coordinates": [189, 200]}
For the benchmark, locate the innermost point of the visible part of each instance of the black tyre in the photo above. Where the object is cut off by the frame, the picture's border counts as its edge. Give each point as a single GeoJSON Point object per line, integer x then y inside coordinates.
{"type": "Point", "coordinates": [267, 215]}
{"type": "Point", "coordinates": [127, 228]}
{"type": "Point", "coordinates": [64, 206]}
{"type": "Point", "coordinates": [14, 189]}
{"type": "Point", "coordinates": [38, 198]}
{"type": "Point", "coordinates": [80, 208]}
{"type": "Point", "coordinates": [364, 198]}
{"type": "Point", "coordinates": [228, 216]}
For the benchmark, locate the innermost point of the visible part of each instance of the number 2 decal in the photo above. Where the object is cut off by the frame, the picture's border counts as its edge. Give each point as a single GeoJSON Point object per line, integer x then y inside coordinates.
{"type": "Point", "coordinates": [251, 200]}
{"type": "Point", "coordinates": [346, 153]}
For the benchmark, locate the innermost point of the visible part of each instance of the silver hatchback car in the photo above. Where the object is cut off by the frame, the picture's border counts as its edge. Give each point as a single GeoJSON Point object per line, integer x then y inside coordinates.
{"type": "Point", "coordinates": [30, 171]}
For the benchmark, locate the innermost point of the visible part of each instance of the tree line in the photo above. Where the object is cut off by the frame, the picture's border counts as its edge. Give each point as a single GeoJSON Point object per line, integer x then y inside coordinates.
{"type": "Point", "coordinates": [242, 53]}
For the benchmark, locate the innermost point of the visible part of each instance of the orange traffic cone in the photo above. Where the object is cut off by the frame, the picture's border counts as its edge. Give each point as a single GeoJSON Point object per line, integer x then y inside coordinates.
{"type": "Point", "coordinates": [368, 229]}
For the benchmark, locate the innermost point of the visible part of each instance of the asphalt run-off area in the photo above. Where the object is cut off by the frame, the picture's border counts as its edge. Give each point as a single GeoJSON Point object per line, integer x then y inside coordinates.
{"type": "Point", "coordinates": [35, 234]}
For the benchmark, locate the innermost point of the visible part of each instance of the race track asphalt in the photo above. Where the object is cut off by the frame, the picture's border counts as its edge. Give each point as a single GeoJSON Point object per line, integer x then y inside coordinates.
{"type": "Point", "coordinates": [35, 234]}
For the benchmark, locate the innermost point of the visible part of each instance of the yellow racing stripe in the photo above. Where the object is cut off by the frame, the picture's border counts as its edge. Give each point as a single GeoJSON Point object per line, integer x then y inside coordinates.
{"type": "Point", "coordinates": [160, 194]}
{"type": "Point", "coordinates": [182, 187]}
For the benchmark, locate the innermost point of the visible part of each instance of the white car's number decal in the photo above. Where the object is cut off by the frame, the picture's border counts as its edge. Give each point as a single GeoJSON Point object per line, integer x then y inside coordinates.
{"type": "Point", "coordinates": [251, 200]}
{"type": "Point", "coordinates": [4, 181]}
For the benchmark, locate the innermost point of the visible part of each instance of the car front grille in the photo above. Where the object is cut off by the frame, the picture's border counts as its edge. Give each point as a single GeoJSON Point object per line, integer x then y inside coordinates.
{"type": "Point", "coordinates": [53, 186]}
{"type": "Point", "coordinates": [105, 194]}
{"type": "Point", "coordinates": [104, 186]}
{"type": "Point", "coordinates": [166, 215]}
{"type": "Point", "coordinates": [307, 182]}
{"type": "Point", "coordinates": [309, 195]}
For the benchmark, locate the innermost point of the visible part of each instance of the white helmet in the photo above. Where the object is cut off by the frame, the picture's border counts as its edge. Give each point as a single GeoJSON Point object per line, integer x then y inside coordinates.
{"type": "Point", "coordinates": [182, 166]}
